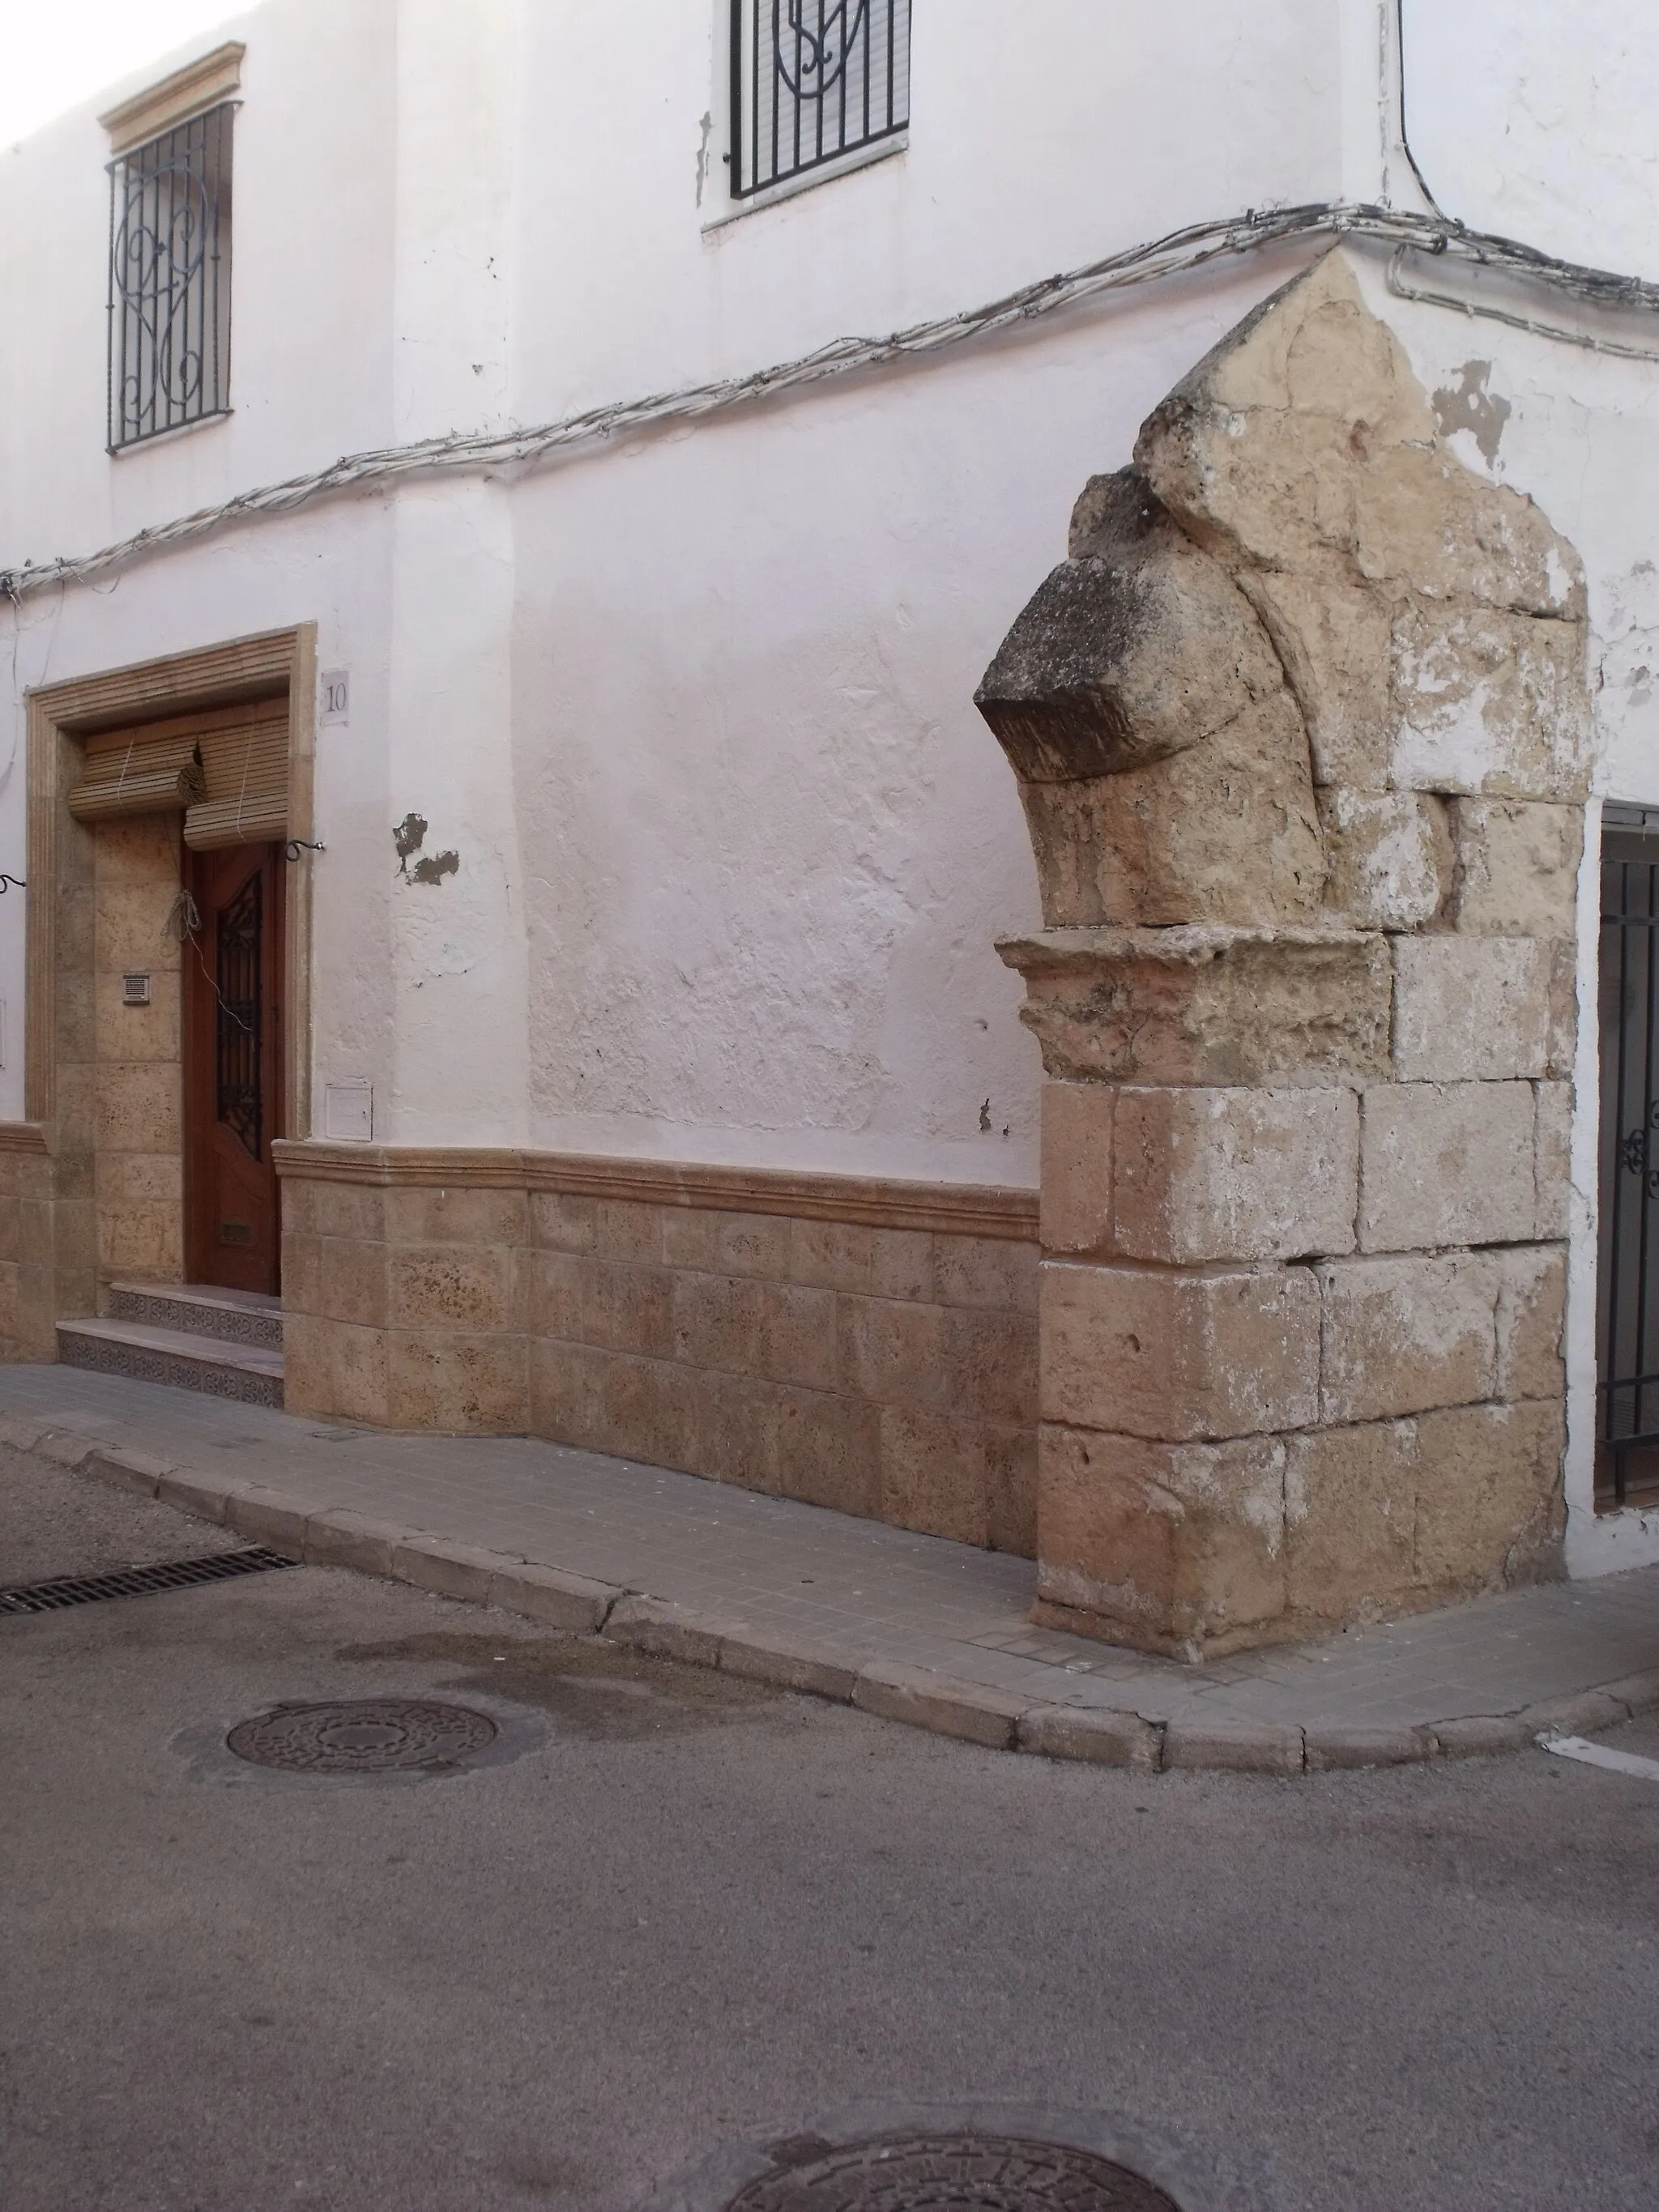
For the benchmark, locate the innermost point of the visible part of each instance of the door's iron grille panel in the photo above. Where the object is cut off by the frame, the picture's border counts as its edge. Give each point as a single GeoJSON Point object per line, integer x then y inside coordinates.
{"type": "Point", "coordinates": [811, 81]}
{"type": "Point", "coordinates": [138, 1581]}
{"type": "Point", "coordinates": [240, 1023]}
{"type": "Point", "coordinates": [1627, 1454]}
{"type": "Point", "coordinates": [169, 280]}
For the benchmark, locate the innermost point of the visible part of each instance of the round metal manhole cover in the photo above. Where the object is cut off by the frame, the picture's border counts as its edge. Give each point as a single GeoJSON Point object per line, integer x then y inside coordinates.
{"type": "Point", "coordinates": [364, 1736]}
{"type": "Point", "coordinates": [948, 2173]}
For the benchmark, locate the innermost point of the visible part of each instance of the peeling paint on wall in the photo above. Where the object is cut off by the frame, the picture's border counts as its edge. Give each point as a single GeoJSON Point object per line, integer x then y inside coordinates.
{"type": "Point", "coordinates": [409, 836]}
{"type": "Point", "coordinates": [1470, 406]}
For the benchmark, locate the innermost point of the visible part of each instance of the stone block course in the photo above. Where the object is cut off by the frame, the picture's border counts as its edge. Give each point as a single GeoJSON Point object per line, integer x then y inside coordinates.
{"type": "Point", "coordinates": [1389, 856]}
{"type": "Point", "coordinates": [1446, 1163]}
{"type": "Point", "coordinates": [1152, 1352]}
{"type": "Point", "coordinates": [1489, 1511]}
{"type": "Point", "coordinates": [1407, 1334]}
{"type": "Point", "coordinates": [1208, 1006]}
{"type": "Point", "coordinates": [1517, 866]}
{"type": "Point", "coordinates": [1078, 1122]}
{"type": "Point", "coordinates": [1553, 1159]}
{"type": "Point", "coordinates": [1475, 1009]}
{"type": "Point", "coordinates": [1531, 1316]}
{"type": "Point", "coordinates": [1349, 1522]}
{"type": "Point", "coordinates": [1211, 1175]}
{"type": "Point", "coordinates": [1178, 1548]}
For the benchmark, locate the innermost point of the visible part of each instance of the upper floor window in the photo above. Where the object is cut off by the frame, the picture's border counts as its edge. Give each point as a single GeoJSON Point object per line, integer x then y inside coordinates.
{"type": "Point", "coordinates": [169, 253]}
{"type": "Point", "coordinates": [812, 82]}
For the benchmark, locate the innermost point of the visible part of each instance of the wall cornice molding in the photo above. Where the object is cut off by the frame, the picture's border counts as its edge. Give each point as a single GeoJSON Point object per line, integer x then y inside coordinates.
{"type": "Point", "coordinates": [874, 1202]}
{"type": "Point", "coordinates": [201, 84]}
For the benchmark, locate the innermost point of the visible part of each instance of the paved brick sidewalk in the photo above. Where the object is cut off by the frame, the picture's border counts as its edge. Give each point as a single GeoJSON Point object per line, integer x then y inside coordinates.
{"type": "Point", "coordinates": [913, 1626]}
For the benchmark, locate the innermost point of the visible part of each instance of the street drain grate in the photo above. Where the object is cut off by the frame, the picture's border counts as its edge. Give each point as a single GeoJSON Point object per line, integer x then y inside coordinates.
{"type": "Point", "coordinates": [364, 1736]}
{"type": "Point", "coordinates": [138, 1581]}
{"type": "Point", "coordinates": [946, 2173]}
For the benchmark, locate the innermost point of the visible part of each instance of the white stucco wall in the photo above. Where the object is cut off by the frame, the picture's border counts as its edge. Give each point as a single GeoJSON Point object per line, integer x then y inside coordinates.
{"type": "Point", "coordinates": [693, 710]}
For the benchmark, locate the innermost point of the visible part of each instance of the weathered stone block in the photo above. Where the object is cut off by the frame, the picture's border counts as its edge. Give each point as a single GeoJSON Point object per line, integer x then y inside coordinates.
{"type": "Point", "coordinates": [1137, 648]}
{"type": "Point", "coordinates": [1517, 866]}
{"type": "Point", "coordinates": [1443, 1163]}
{"type": "Point", "coordinates": [1206, 1007]}
{"type": "Point", "coordinates": [1333, 640]}
{"type": "Point", "coordinates": [1489, 701]}
{"type": "Point", "coordinates": [1077, 1166]}
{"type": "Point", "coordinates": [1553, 1159]}
{"type": "Point", "coordinates": [1177, 1548]}
{"type": "Point", "coordinates": [1388, 856]}
{"type": "Point", "coordinates": [1226, 832]}
{"type": "Point", "coordinates": [1406, 1335]}
{"type": "Point", "coordinates": [1425, 524]}
{"type": "Point", "coordinates": [1147, 1352]}
{"type": "Point", "coordinates": [1349, 1520]}
{"type": "Point", "coordinates": [1489, 1505]}
{"type": "Point", "coordinates": [1532, 1302]}
{"type": "Point", "coordinates": [1471, 1008]}
{"type": "Point", "coordinates": [1204, 1174]}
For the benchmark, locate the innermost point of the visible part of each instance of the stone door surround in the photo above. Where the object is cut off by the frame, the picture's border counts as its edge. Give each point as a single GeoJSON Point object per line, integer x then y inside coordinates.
{"type": "Point", "coordinates": [49, 1231]}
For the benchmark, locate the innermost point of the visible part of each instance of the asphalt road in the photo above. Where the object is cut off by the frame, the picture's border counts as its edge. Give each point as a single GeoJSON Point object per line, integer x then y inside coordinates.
{"type": "Point", "coordinates": [679, 1910]}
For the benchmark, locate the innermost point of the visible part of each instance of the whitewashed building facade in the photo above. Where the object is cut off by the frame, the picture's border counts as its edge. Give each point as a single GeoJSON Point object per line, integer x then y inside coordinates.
{"type": "Point", "coordinates": [632, 1046]}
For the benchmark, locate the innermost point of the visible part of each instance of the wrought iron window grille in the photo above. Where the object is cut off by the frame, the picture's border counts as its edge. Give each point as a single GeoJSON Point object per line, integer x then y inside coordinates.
{"type": "Point", "coordinates": [813, 81]}
{"type": "Point", "coordinates": [169, 279]}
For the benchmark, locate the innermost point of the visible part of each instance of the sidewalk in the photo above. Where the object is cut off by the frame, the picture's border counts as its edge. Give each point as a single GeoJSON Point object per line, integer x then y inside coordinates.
{"type": "Point", "coordinates": [914, 1628]}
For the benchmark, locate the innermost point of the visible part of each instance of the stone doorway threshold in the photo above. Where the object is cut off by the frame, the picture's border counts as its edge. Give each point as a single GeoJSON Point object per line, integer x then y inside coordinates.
{"type": "Point", "coordinates": [911, 1628]}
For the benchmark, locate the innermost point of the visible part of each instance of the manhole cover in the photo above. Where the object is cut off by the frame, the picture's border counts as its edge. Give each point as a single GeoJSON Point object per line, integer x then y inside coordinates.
{"type": "Point", "coordinates": [948, 2173]}
{"type": "Point", "coordinates": [363, 1735]}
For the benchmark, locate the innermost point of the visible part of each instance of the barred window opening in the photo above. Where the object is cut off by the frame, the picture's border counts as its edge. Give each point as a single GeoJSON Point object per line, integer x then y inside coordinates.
{"type": "Point", "coordinates": [811, 82]}
{"type": "Point", "coordinates": [169, 279]}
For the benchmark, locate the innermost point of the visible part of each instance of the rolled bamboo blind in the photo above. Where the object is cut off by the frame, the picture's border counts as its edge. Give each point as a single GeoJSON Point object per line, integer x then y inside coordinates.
{"type": "Point", "coordinates": [245, 765]}
{"type": "Point", "coordinates": [226, 769]}
{"type": "Point", "coordinates": [140, 776]}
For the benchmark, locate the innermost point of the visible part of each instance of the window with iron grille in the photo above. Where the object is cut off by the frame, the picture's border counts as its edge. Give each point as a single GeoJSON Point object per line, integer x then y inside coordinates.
{"type": "Point", "coordinates": [169, 279]}
{"type": "Point", "coordinates": [813, 81]}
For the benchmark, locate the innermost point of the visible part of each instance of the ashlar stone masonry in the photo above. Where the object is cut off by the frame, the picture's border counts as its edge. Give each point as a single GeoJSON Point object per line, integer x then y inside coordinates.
{"type": "Point", "coordinates": [1301, 728]}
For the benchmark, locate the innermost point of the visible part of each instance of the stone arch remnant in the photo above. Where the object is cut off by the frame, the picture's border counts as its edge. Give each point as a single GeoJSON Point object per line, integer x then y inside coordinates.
{"type": "Point", "coordinates": [1302, 733]}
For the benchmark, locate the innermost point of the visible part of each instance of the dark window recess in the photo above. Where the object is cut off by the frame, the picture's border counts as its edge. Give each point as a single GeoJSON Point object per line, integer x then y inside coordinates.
{"type": "Point", "coordinates": [1627, 1290]}
{"type": "Point", "coordinates": [811, 81]}
{"type": "Point", "coordinates": [169, 279]}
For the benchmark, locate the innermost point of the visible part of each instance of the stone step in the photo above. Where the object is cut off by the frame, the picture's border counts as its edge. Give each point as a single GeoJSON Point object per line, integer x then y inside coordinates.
{"type": "Point", "coordinates": [201, 1309]}
{"type": "Point", "coordinates": [252, 1373]}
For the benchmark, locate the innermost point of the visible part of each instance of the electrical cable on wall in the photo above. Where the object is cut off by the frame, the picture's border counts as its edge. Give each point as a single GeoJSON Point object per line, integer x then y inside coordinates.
{"type": "Point", "coordinates": [1181, 252]}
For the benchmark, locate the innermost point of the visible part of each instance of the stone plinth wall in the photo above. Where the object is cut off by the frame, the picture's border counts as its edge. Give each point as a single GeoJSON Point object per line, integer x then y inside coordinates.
{"type": "Point", "coordinates": [1302, 733]}
{"type": "Point", "coordinates": [870, 1346]}
{"type": "Point", "coordinates": [29, 1180]}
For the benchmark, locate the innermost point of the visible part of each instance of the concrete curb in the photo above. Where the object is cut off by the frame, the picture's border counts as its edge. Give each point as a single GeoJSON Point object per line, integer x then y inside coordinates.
{"type": "Point", "coordinates": [328, 1536]}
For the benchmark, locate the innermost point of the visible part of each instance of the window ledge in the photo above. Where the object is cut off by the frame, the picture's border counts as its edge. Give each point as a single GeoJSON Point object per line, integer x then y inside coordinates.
{"type": "Point", "coordinates": [155, 437]}
{"type": "Point", "coordinates": [862, 157]}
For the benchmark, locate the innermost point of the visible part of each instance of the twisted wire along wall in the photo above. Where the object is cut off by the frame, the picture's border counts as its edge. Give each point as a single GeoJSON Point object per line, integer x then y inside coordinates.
{"type": "Point", "coordinates": [169, 279]}
{"type": "Point", "coordinates": [813, 81]}
{"type": "Point", "coordinates": [1181, 252]}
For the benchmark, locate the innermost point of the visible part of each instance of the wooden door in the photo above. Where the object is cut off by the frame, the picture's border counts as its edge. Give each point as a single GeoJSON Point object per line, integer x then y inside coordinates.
{"type": "Point", "coordinates": [233, 1006]}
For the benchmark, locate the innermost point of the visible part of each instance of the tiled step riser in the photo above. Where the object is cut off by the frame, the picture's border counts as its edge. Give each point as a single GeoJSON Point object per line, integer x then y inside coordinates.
{"type": "Point", "coordinates": [196, 1317]}
{"type": "Point", "coordinates": [142, 1363]}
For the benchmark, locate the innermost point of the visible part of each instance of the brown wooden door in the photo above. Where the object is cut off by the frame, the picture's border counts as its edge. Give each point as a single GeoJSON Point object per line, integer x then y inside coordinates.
{"type": "Point", "coordinates": [232, 1002]}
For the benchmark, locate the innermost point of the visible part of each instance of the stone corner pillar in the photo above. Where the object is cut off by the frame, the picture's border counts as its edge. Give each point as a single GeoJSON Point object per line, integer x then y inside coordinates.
{"type": "Point", "coordinates": [1300, 728]}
